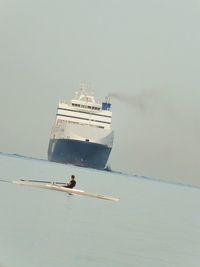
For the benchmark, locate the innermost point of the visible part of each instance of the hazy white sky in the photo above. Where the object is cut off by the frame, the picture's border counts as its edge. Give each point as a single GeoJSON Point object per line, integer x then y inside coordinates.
{"type": "Point", "coordinates": [146, 51]}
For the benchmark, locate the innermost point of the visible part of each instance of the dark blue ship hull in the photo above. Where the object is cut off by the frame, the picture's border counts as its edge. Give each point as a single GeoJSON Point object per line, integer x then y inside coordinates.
{"type": "Point", "coordinates": [80, 153]}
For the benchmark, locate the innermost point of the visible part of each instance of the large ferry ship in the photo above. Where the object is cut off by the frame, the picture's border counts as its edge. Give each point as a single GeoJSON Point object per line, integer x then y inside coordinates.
{"type": "Point", "coordinates": [82, 133]}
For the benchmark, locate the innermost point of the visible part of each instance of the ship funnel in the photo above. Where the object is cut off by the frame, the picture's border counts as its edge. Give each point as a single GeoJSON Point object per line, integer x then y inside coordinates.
{"type": "Point", "coordinates": [106, 105]}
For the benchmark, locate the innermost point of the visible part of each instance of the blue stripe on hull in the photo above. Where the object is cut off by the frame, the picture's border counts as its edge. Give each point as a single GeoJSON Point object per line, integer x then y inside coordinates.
{"type": "Point", "coordinates": [80, 153]}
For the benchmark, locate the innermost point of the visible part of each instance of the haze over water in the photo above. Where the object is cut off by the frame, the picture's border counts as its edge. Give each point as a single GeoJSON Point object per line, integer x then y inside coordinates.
{"type": "Point", "coordinates": [154, 224]}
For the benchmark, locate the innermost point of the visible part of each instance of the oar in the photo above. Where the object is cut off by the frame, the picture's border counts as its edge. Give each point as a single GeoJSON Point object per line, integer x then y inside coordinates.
{"type": "Point", "coordinates": [5, 181]}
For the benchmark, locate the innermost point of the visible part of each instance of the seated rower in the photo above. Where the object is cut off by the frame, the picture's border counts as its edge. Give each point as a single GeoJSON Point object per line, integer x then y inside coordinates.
{"type": "Point", "coordinates": [71, 183]}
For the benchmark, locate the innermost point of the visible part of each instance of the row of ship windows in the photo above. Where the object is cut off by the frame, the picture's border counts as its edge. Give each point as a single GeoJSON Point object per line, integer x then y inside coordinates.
{"type": "Point", "coordinates": [84, 106]}
{"type": "Point", "coordinates": [62, 121]}
{"type": "Point", "coordinates": [79, 118]}
{"type": "Point", "coordinates": [85, 112]}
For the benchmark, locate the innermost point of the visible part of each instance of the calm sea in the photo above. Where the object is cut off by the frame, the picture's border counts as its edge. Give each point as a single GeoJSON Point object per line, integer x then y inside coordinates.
{"type": "Point", "coordinates": [154, 224]}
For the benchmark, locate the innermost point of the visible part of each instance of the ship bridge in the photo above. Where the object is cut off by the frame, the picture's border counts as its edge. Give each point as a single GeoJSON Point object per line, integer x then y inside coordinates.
{"type": "Point", "coordinates": [83, 109]}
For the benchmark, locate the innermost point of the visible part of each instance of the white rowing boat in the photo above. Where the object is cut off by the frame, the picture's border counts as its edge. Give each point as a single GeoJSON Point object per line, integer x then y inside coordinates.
{"type": "Point", "coordinates": [60, 187]}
